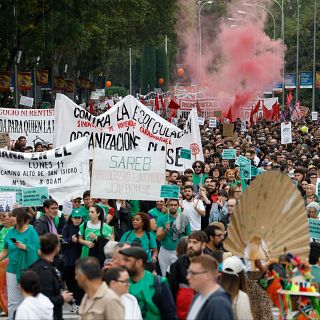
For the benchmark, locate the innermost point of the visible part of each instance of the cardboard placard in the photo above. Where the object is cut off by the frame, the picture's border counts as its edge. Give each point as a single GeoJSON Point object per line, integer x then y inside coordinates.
{"type": "Point", "coordinates": [67, 207]}
{"type": "Point", "coordinates": [4, 140]}
{"type": "Point", "coordinates": [242, 159]}
{"type": "Point", "coordinates": [286, 133]}
{"type": "Point", "coordinates": [185, 154]}
{"type": "Point", "coordinates": [170, 191]}
{"type": "Point", "coordinates": [212, 122]}
{"type": "Point", "coordinates": [229, 154]}
{"type": "Point", "coordinates": [228, 129]}
{"type": "Point", "coordinates": [245, 171]}
{"type": "Point", "coordinates": [16, 190]}
{"type": "Point", "coordinates": [7, 200]}
{"type": "Point", "coordinates": [35, 196]}
{"type": "Point", "coordinates": [201, 121]}
{"type": "Point", "coordinates": [314, 225]}
{"type": "Point", "coordinates": [254, 171]}
{"type": "Point", "coordinates": [314, 115]}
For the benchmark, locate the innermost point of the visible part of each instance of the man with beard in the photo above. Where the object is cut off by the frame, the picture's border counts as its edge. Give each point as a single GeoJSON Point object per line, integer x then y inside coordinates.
{"type": "Point", "coordinates": [153, 295]}
{"type": "Point", "coordinates": [198, 175]}
{"type": "Point", "coordinates": [215, 238]}
{"type": "Point", "coordinates": [171, 227]}
{"type": "Point", "coordinates": [178, 282]}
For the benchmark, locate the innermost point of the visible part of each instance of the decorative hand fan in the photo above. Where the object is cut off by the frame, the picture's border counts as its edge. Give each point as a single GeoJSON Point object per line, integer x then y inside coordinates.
{"type": "Point", "coordinates": [270, 219]}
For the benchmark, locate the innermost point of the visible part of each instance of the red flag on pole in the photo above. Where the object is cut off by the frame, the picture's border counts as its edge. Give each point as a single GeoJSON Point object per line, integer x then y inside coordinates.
{"type": "Point", "coordinates": [267, 114]}
{"type": "Point", "coordinates": [254, 111]}
{"type": "Point", "coordinates": [173, 105]}
{"type": "Point", "coordinates": [156, 103]}
{"type": "Point", "coordinates": [275, 112]}
{"type": "Point", "coordinates": [229, 115]}
{"type": "Point", "coordinates": [91, 106]}
{"type": "Point", "coordinates": [163, 104]}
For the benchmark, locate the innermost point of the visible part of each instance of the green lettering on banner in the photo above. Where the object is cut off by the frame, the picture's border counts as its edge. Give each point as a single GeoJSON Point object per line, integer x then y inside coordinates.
{"type": "Point", "coordinates": [170, 191]}
{"type": "Point", "coordinates": [245, 171]}
{"type": "Point", "coordinates": [229, 154]}
{"type": "Point", "coordinates": [314, 225]}
{"type": "Point", "coordinates": [17, 190]}
{"type": "Point", "coordinates": [242, 159]}
{"type": "Point", "coordinates": [185, 154]}
{"type": "Point", "coordinates": [34, 197]}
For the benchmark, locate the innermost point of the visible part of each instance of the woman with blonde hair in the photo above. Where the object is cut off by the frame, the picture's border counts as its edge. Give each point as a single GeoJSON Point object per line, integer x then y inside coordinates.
{"type": "Point", "coordinates": [230, 176]}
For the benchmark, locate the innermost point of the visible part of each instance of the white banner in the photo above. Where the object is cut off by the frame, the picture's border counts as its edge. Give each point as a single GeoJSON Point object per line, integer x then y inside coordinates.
{"type": "Point", "coordinates": [128, 125]}
{"type": "Point", "coordinates": [37, 125]}
{"type": "Point", "coordinates": [130, 175]}
{"type": "Point", "coordinates": [63, 170]}
{"type": "Point", "coordinates": [286, 133]}
{"type": "Point", "coordinates": [26, 101]}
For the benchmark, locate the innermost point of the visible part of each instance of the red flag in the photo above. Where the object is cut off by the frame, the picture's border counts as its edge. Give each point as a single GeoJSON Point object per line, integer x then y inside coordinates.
{"type": "Point", "coordinates": [142, 100]}
{"type": "Point", "coordinates": [275, 112]}
{"type": "Point", "coordinates": [254, 111]}
{"type": "Point", "coordinates": [156, 103]}
{"type": "Point", "coordinates": [267, 114]}
{"type": "Point", "coordinates": [91, 106]}
{"type": "Point", "coordinates": [163, 104]}
{"type": "Point", "coordinates": [173, 105]}
{"type": "Point", "coordinates": [229, 115]}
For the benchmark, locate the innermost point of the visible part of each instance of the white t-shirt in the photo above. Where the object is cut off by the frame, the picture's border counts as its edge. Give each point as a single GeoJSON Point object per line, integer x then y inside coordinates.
{"type": "Point", "coordinates": [38, 307]}
{"type": "Point", "coordinates": [241, 307]}
{"type": "Point", "coordinates": [192, 214]}
{"type": "Point", "coordinates": [132, 309]}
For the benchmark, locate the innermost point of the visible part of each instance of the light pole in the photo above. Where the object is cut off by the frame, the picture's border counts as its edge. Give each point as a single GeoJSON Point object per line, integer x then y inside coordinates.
{"type": "Point", "coordinates": [200, 6]}
{"type": "Point", "coordinates": [130, 70]}
{"type": "Point", "coordinates": [314, 56]}
{"type": "Point", "coordinates": [297, 58]}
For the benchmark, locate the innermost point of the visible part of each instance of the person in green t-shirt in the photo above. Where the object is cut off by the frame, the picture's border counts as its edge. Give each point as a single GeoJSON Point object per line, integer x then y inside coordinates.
{"type": "Point", "coordinates": [94, 234]}
{"type": "Point", "coordinates": [152, 292]}
{"type": "Point", "coordinates": [198, 175]}
{"type": "Point", "coordinates": [156, 213]}
{"type": "Point", "coordinates": [141, 236]}
{"type": "Point", "coordinates": [84, 209]}
{"type": "Point", "coordinates": [109, 212]}
{"type": "Point", "coordinates": [171, 228]}
{"type": "Point", "coordinates": [5, 228]}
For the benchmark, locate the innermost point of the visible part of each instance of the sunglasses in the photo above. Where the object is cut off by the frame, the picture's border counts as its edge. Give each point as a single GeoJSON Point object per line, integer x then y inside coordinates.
{"type": "Point", "coordinates": [78, 201]}
{"type": "Point", "coordinates": [198, 167]}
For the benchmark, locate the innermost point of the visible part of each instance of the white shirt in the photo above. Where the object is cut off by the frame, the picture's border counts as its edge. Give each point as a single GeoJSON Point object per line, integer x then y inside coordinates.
{"type": "Point", "coordinates": [241, 307]}
{"type": "Point", "coordinates": [35, 308]}
{"type": "Point", "coordinates": [132, 310]}
{"type": "Point", "coordinates": [192, 214]}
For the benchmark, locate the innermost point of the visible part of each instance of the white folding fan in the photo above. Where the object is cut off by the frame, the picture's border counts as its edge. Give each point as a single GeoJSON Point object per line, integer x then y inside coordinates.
{"type": "Point", "coordinates": [271, 209]}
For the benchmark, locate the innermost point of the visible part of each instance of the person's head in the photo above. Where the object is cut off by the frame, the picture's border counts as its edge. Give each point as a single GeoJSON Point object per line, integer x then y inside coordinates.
{"type": "Point", "coordinates": [313, 209]}
{"type": "Point", "coordinates": [49, 245]}
{"type": "Point", "coordinates": [118, 280]}
{"type": "Point", "coordinates": [38, 147]}
{"type": "Point", "coordinates": [30, 284]}
{"type": "Point", "coordinates": [188, 173]}
{"type": "Point", "coordinates": [76, 201]}
{"type": "Point", "coordinates": [223, 195]}
{"type": "Point", "coordinates": [225, 163]}
{"type": "Point", "coordinates": [215, 173]}
{"type": "Point", "coordinates": [313, 177]}
{"type": "Point", "coordinates": [196, 243]}
{"type": "Point", "coordinates": [87, 270]}
{"type": "Point", "coordinates": [134, 260]}
{"type": "Point", "coordinates": [160, 204]}
{"type": "Point", "coordinates": [230, 175]}
{"type": "Point", "coordinates": [96, 214]}
{"type": "Point", "coordinates": [180, 180]}
{"type": "Point", "coordinates": [188, 192]}
{"type": "Point", "coordinates": [215, 235]}
{"type": "Point", "coordinates": [198, 167]}
{"type": "Point", "coordinates": [50, 208]}
{"type": "Point", "coordinates": [310, 189]}
{"type": "Point", "coordinates": [173, 205]}
{"type": "Point", "coordinates": [6, 220]}
{"type": "Point", "coordinates": [206, 153]}
{"type": "Point", "coordinates": [173, 176]}
{"type": "Point", "coordinates": [140, 221]}
{"type": "Point", "coordinates": [167, 176]}
{"type": "Point", "coordinates": [209, 183]}
{"type": "Point", "coordinates": [117, 257]}
{"type": "Point", "coordinates": [233, 278]}
{"type": "Point", "coordinates": [86, 198]}
{"type": "Point", "coordinates": [182, 246]}
{"type": "Point", "coordinates": [298, 175]}
{"type": "Point", "coordinates": [231, 204]}
{"type": "Point", "coordinates": [22, 217]}
{"type": "Point", "coordinates": [23, 141]}
{"type": "Point", "coordinates": [76, 218]}
{"type": "Point", "coordinates": [206, 168]}
{"type": "Point", "coordinates": [202, 273]}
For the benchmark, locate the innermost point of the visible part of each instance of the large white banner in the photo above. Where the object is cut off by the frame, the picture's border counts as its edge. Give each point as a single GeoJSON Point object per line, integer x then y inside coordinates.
{"type": "Point", "coordinates": [131, 175]}
{"type": "Point", "coordinates": [128, 125]}
{"type": "Point", "coordinates": [37, 125]}
{"type": "Point", "coordinates": [64, 170]}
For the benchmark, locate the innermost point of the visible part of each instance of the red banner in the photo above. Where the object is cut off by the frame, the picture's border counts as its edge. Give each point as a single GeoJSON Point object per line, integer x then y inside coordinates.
{"type": "Point", "coordinates": [42, 77]}
{"type": "Point", "coordinates": [4, 81]}
{"type": "Point", "coordinates": [24, 80]}
{"type": "Point", "coordinates": [68, 85]}
{"type": "Point", "coordinates": [59, 83]}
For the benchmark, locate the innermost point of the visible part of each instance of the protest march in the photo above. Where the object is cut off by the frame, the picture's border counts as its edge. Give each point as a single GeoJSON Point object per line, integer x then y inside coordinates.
{"type": "Point", "coordinates": [159, 160]}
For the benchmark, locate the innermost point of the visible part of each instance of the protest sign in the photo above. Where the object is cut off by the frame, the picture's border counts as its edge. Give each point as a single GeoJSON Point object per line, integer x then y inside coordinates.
{"type": "Point", "coordinates": [201, 121]}
{"type": "Point", "coordinates": [26, 101]}
{"type": "Point", "coordinates": [314, 225]}
{"type": "Point", "coordinates": [131, 175]}
{"type": "Point", "coordinates": [212, 122]}
{"type": "Point", "coordinates": [243, 126]}
{"type": "Point", "coordinates": [229, 154]}
{"type": "Point", "coordinates": [245, 170]}
{"type": "Point", "coordinates": [314, 115]}
{"type": "Point", "coordinates": [286, 134]}
{"type": "Point", "coordinates": [128, 125]}
{"type": "Point", "coordinates": [63, 170]}
{"type": "Point", "coordinates": [170, 191]}
{"type": "Point", "coordinates": [35, 124]}
{"type": "Point", "coordinates": [185, 154]}
{"type": "Point", "coordinates": [7, 200]}
{"type": "Point", "coordinates": [228, 129]}
{"type": "Point", "coordinates": [16, 190]}
{"type": "Point", "coordinates": [242, 159]}
{"type": "Point", "coordinates": [35, 196]}
{"type": "Point", "coordinates": [254, 171]}
{"type": "Point", "coordinates": [4, 140]}
{"type": "Point", "coordinates": [67, 207]}
{"type": "Point", "coordinates": [218, 114]}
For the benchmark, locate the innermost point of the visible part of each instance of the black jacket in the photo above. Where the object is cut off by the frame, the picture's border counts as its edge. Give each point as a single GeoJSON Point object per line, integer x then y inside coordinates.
{"type": "Point", "coordinates": [51, 285]}
{"type": "Point", "coordinates": [71, 250]}
{"type": "Point", "coordinates": [41, 225]}
{"type": "Point", "coordinates": [217, 307]}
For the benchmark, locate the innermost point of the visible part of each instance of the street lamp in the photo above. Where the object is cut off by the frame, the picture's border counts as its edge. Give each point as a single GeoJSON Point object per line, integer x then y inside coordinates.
{"type": "Point", "coordinates": [200, 6]}
{"type": "Point", "coordinates": [314, 56]}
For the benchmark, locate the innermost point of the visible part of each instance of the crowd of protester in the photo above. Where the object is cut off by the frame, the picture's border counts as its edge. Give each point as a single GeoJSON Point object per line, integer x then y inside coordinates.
{"type": "Point", "coordinates": [165, 259]}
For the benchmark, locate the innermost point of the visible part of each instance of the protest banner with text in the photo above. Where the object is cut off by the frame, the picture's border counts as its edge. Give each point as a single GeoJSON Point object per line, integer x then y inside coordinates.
{"type": "Point", "coordinates": [63, 170]}
{"type": "Point", "coordinates": [128, 125]}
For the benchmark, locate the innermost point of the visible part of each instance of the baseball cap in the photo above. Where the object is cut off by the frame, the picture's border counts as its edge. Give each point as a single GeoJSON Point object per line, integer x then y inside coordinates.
{"type": "Point", "coordinates": [232, 265]}
{"type": "Point", "coordinates": [76, 196]}
{"type": "Point", "coordinates": [76, 213]}
{"type": "Point", "coordinates": [135, 252]}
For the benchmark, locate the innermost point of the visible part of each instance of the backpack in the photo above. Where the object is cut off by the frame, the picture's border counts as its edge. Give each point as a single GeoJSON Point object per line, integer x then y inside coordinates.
{"type": "Point", "coordinates": [138, 242]}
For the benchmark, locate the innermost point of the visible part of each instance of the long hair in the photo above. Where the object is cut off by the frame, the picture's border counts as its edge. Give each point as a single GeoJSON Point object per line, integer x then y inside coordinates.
{"type": "Point", "coordinates": [100, 211]}
{"type": "Point", "coordinates": [23, 217]}
{"type": "Point", "coordinates": [232, 283]}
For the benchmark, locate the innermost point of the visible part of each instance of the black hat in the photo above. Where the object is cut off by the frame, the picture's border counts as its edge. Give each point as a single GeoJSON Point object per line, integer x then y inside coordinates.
{"type": "Point", "coordinates": [135, 252]}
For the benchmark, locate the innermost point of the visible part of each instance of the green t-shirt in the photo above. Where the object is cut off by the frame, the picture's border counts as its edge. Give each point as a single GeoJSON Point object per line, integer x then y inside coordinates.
{"type": "Point", "coordinates": [146, 243]}
{"type": "Point", "coordinates": [135, 207]}
{"type": "Point", "coordinates": [144, 291]}
{"type": "Point", "coordinates": [93, 228]}
{"type": "Point", "coordinates": [105, 208]}
{"type": "Point", "coordinates": [199, 179]}
{"type": "Point", "coordinates": [85, 213]}
{"type": "Point", "coordinates": [156, 214]}
{"type": "Point", "coordinates": [3, 233]}
{"type": "Point", "coordinates": [21, 259]}
{"type": "Point", "coordinates": [167, 242]}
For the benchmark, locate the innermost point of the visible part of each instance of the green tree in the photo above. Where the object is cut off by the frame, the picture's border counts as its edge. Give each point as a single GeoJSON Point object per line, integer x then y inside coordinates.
{"type": "Point", "coordinates": [148, 68]}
